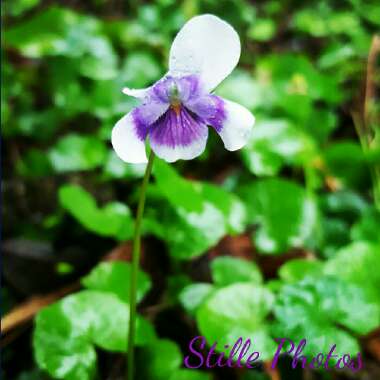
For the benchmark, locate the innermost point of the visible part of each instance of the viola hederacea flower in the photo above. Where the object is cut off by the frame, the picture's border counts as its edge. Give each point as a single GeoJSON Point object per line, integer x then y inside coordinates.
{"type": "Point", "coordinates": [176, 111]}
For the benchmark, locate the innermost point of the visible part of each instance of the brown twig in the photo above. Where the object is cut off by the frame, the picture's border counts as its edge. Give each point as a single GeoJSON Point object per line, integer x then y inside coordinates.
{"type": "Point", "coordinates": [27, 310]}
{"type": "Point", "coordinates": [273, 373]}
{"type": "Point", "coordinates": [24, 312]}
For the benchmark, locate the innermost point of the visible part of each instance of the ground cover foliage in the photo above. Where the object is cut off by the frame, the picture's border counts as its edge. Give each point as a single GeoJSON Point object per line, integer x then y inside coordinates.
{"type": "Point", "coordinates": [280, 239]}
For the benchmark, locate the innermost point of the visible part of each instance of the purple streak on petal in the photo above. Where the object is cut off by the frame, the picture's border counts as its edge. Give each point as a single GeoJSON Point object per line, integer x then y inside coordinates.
{"type": "Point", "coordinates": [147, 113]}
{"type": "Point", "coordinates": [210, 108]}
{"type": "Point", "coordinates": [189, 88]}
{"type": "Point", "coordinates": [180, 128]}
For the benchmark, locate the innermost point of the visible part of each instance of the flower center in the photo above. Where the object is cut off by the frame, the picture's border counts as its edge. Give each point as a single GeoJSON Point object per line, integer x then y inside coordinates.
{"type": "Point", "coordinates": [175, 105]}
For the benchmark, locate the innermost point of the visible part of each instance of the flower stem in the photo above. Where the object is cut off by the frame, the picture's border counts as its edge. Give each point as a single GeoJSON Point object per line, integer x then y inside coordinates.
{"type": "Point", "coordinates": [135, 268]}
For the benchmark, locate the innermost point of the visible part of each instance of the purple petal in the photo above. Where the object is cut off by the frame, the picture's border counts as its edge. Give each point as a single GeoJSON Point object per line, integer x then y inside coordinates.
{"type": "Point", "coordinates": [147, 113]}
{"type": "Point", "coordinates": [178, 134]}
{"type": "Point", "coordinates": [211, 109]}
{"type": "Point", "coordinates": [189, 88]}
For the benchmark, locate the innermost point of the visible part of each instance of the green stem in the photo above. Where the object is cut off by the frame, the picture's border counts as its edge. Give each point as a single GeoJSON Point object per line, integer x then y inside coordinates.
{"type": "Point", "coordinates": [135, 268]}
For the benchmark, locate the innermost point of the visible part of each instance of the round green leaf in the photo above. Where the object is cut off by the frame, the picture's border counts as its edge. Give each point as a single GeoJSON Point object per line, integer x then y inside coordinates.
{"type": "Point", "coordinates": [296, 270]}
{"type": "Point", "coordinates": [286, 214]}
{"type": "Point", "coordinates": [114, 277]}
{"type": "Point", "coordinates": [357, 263]}
{"type": "Point", "coordinates": [226, 270]}
{"type": "Point", "coordinates": [192, 296]}
{"type": "Point", "coordinates": [114, 219]}
{"type": "Point", "coordinates": [75, 152]}
{"type": "Point", "coordinates": [235, 311]}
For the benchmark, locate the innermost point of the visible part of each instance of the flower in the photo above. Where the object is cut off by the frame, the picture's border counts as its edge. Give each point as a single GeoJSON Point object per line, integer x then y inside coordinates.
{"type": "Point", "coordinates": [176, 111]}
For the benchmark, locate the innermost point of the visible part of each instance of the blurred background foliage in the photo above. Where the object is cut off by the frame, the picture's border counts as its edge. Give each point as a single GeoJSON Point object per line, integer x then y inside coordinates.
{"type": "Point", "coordinates": [279, 239]}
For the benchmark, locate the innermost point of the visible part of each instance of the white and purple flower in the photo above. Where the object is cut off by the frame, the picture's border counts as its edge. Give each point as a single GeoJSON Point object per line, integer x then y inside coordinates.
{"type": "Point", "coordinates": [176, 111]}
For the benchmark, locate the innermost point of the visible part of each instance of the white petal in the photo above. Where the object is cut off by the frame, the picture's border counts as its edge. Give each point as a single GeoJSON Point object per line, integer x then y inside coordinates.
{"type": "Point", "coordinates": [207, 46]}
{"type": "Point", "coordinates": [237, 126]}
{"type": "Point", "coordinates": [169, 154]}
{"type": "Point", "coordinates": [126, 143]}
{"type": "Point", "coordinates": [136, 92]}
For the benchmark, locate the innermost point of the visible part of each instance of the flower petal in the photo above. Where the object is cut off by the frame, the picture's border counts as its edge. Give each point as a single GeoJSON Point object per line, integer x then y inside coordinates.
{"type": "Point", "coordinates": [206, 46]}
{"type": "Point", "coordinates": [127, 143]}
{"type": "Point", "coordinates": [178, 135]}
{"type": "Point", "coordinates": [136, 92]}
{"type": "Point", "coordinates": [237, 125]}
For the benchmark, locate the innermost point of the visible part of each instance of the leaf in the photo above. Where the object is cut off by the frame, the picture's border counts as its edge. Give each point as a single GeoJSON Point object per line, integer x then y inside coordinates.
{"type": "Point", "coordinates": [313, 308]}
{"type": "Point", "coordinates": [44, 34]}
{"type": "Point", "coordinates": [262, 30]}
{"type": "Point", "coordinates": [337, 156]}
{"type": "Point", "coordinates": [356, 264]}
{"type": "Point", "coordinates": [292, 74]}
{"type": "Point", "coordinates": [66, 332]}
{"type": "Point", "coordinates": [235, 311]}
{"type": "Point", "coordinates": [114, 219]}
{"type": "Point", "coordinates": [160, 359]}
{"type": "Point", "coordinates": [141, 69]}
{"type": "Point", "coordinates": [75, 152]}
{"type": "Point", "coordinates": [199, 216]}
{"type": "Point", "coordinates": [59, 31]}
{"type": "Point", "coordinates": [179, 192]}
{"type": "Point", "coordinates": [114, 167]}
{"type": "Point", "coordinates": [34, 164]}
{"type": "Point", "coordinates": [226, 270]}
{"type": "Point", "coordinates": [228, 203]}
{"type": "Point", "coordinates": [368, 227]}
{"type": "Point", "coordinates": [189, 374]}
{"type": "Point", "coordinates": [189, 234]}
{"type": "Point", "coordinates": [275, 143]}
{"type": "Point", "coordinates": [285, 213]}
{"type": "Point", "coordinates": [296, 270]}
{"type": "Point", "coordinates": [193, 295]}
{"type": "Point", "coordinates": [113, 277]}
{"type": "Point", "coordinates": [240, 87]}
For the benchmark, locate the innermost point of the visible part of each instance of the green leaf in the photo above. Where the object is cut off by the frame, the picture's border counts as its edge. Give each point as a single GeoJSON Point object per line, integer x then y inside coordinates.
{"type": "Point", "coordinates": [77, 152]}
{"type": "Point", "coordinates": [240, 87]}
{"type": "Point", "coordinates": [297, 269]}
{"type": "Point", "coordinates": [235, 311]}
{"type": "Point", "coordinates": [141, 69]}
{"type": "Point", "coordinates": [228, 203]}
{"type": "Point", "coordinates": [112, 277]}
{"type": "Point", "coordinates": [59, 31]}
{"type": "Point", "coordinates": [368, 227]}
{"type": "Point", "coordinates": [285, 213]}
{"type": "Point", "coordinates": [18, 7]}
{"type": "Point", "coordinates": [114, 219]}
{"type": "Point", "coordinates": [66, 332]}
{"type": "Point", "coordinates": [189, 234]}
{"type": "Point", "coordinates": [275, 143]}
{"type": "Point", "coordinates": [262, 30]}
{"type": "Point", "coordinates": [199, 216]}
{"type": "Point", "coordinates": [189, 374]}
{"type": "Point", "coordinates": [324, 22]}
{"type": "Point", "coordinates": [193, 295]}
{"type": "Point", "coordinates": [226, 270]}
{"type": "Point", "coordinates": [179, 192]}
{"type": "Point", "coordinates": [337, 156]}
{"type": "Point", "coordinates": [160, 359]}
{"type": "Point", "coordinates": [289, 75]}
{"type": "Point", "coordinates": [34, 164]}
{"type": "Point", "coordinates": [313, 308]}
{"type": "Point", "coordinates": [114, 167]}
{"type": "Point", "coordinates": [43, 34]}
{"type": "Point", "coordinates": [356, 264]}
